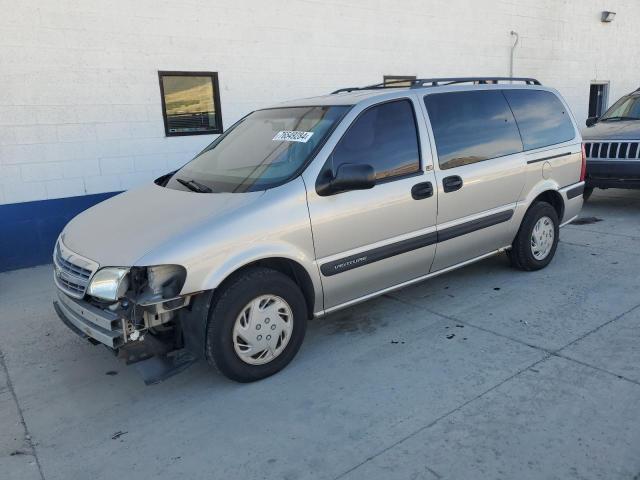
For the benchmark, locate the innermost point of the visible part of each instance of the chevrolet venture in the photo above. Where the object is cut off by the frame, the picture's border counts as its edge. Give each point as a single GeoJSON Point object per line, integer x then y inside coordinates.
{"type": "Point", "coordinates": [314, 205]}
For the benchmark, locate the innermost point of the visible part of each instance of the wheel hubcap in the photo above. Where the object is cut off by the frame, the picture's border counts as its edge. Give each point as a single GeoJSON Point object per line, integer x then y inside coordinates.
{"type": "Point", "coordinates": [262, 329]}
{"type": "Point", "coordinates": [542, 238]}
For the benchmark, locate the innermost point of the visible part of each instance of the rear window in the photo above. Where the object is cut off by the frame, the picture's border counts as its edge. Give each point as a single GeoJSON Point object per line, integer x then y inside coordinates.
{"type": "Point", "coordinates": [470, 127]}
{"type": "Point", "coordinates": [541, 117]}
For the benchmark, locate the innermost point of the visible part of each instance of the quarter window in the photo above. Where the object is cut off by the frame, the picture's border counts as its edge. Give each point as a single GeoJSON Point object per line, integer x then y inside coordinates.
{"type": "Point", "coordinates": [470, 127]}
{"type": "Point", "coordinates": [385, 137]}
{"type": "Point", "coordinates": [541, 117]}
{"type": "Point", "coordinates": [190, 103]}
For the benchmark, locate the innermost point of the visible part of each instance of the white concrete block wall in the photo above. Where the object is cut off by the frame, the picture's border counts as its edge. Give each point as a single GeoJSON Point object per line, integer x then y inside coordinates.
{"type": "Point", "coordinates": [80, 109]}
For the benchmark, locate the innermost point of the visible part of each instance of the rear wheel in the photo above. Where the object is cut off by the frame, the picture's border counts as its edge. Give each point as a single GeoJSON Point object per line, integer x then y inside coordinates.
{"type": "Point", "coordinates": [256, 326]}
{"type": "Point", "coordinates": [537, 240]}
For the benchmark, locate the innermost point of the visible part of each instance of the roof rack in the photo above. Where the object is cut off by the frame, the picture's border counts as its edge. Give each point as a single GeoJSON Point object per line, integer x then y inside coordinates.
{"type": "Point", "coordinates": [440, 82]}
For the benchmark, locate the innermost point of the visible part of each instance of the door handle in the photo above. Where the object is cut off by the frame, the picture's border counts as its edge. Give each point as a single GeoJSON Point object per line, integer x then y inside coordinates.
{"type": "Point", "coordinates": [422, 190]}
{"type": "Point", "coordinates": [451, 184]}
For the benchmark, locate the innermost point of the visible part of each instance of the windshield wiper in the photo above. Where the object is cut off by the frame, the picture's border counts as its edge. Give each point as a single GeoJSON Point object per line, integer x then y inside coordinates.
{"type": "Point", "coordinates": [619, 118]}
{"type": "Point", "coordinates": [194, 186]}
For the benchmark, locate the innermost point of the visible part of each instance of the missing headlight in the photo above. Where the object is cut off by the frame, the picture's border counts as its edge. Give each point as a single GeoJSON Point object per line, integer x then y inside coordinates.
{"type": "Point", "coordinates": [157, 283]}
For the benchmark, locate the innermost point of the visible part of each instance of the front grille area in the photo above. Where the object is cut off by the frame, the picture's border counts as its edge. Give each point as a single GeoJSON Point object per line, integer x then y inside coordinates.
{"type": "Point", "coordinates": [72, 273]}
{"type": "Point", "coordinates": [622, 150]}
{"type": "Point", "coordinates": [76, 288]}
{"type": "Point", "coordinates": [71, 268]}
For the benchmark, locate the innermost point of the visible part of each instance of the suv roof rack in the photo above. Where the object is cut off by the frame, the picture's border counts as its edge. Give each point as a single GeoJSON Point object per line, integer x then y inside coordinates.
{"type": "Point", "coordinates": [439, 82]}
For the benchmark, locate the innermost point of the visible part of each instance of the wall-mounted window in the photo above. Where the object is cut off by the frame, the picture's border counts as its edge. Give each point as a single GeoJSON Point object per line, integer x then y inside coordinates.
{"type": "Point", "coordinates": [398, 80]}
{"type": "Point", "coordinates": [190, 103]}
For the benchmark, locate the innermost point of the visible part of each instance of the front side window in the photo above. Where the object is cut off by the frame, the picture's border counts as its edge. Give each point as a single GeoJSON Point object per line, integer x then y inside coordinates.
{"type": "Point", "coordinates": [470, 127]}
{"type": "Point", "coordinates": [385, 137]}
{"type": "Point", "coordinates": [541, 117]}
{"type": "Point", "coordinates": [263, 150]}
{"type": "Point", "coordinates": [627, 108]}
{"type": "Point", "coordinates": [190, 103]}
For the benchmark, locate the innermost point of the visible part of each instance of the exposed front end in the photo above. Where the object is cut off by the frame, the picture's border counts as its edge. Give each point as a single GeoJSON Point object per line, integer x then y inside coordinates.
{"type": "Point", "coordinates": [133, 311]}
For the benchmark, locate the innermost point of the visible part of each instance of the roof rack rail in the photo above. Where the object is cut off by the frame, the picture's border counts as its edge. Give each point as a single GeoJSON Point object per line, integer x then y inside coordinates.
{"type": "Point", "coordinates": [440, 82]}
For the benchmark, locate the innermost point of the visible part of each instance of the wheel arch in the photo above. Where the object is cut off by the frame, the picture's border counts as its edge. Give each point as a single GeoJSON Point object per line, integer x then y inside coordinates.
{"type": "Point", "coordinates": [552, 197]}
{"type": "Point", "coordinates": [546, 191]}
{"type": "Point", "coordinates": [287, 266]}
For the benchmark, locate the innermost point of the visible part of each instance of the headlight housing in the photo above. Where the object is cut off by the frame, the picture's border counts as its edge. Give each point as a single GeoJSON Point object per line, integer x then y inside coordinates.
{"type": "Point", "coordinates": [166, 281]}
{"type": "Point", "coordinates": [109, 283]}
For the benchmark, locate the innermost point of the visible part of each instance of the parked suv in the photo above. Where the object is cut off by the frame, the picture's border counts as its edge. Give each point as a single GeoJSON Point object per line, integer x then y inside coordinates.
{"type": "Point", "coordinates": [612, 146]}
{"type": "Point", "coordinates": [312, 206]}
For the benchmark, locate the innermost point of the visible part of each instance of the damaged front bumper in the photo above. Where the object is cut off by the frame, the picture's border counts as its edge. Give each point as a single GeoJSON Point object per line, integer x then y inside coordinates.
{"type": "Point", "coordinates": [90, 322]}
{"type": "Point", "coordinates": [155, 357]}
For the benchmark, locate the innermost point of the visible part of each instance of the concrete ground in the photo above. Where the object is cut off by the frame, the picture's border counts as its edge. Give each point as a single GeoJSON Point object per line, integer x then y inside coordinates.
{"type": "Point", "coordinates": [482, 373]}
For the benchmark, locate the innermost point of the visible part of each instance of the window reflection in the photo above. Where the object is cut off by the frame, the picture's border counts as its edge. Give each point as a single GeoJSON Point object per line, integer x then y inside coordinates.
{"type": "Point", "coordinates": [541, 117]}
{"type": "Point", "coordinates": [384, 137]}
{"type": "Point", "coordinates": [471, 127]}
{"type": "Point", "coordinates": [189, 103]}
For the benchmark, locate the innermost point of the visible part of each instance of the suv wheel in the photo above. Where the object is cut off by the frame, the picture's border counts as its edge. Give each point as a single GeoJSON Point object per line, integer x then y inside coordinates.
{"type": "Point", "coordinates": [256, 326]}
{"type": "Point", "coordinates": [537, 240]}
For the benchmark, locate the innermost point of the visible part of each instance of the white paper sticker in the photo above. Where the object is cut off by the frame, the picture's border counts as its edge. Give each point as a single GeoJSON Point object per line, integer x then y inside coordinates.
{"type": "Point", "coordinates": [293, 136]}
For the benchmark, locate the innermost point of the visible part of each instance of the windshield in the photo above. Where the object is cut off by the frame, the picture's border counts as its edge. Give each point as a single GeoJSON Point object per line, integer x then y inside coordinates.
{"type": "Point", "coordinates": [627, 108]}
{"type": "Point", "coordinates": [263, 150]}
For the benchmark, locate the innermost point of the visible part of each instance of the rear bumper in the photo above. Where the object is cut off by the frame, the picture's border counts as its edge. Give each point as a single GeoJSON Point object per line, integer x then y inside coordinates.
{"type": "Point", "coordinates": [90, 322]}
{"type": "Point", "coordinates": [613, 174]}
{"type": "Point", "coordinates": [573, 200]}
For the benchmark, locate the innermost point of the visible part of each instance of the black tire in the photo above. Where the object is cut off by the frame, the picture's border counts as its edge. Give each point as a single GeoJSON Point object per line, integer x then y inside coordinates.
{"type": "Point", "coordinates": [238, 292]}
{"type": "Point", "coordinates": [587, 193]}
{"type": "Point", "coordinates": [521, 254]}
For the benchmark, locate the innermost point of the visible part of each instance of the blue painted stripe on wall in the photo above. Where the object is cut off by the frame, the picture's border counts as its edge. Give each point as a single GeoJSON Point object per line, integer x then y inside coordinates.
{"type": "Point", "coordinates": [28, 231]}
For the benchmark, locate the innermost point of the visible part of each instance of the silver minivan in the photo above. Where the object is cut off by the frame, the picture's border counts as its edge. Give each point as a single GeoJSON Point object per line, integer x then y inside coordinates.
{"type": "Point", "coordinates": [312, 206]}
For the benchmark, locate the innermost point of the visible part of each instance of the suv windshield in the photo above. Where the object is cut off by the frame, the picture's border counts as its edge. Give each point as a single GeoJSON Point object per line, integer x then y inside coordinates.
{"type": "Point", "coordinates": [627, 108]}
{"type": "Point", "coordinates": [263, 150]}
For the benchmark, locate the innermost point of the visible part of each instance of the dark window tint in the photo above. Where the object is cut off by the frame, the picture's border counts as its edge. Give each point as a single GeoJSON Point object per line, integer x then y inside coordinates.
{"type": "Point", "coordinates": [472, 126]}
{"type": "Point", "coordinates": [190, 103]}
{"type": "Point", "coordinates": [384, 137]}
{"type": "Point", "coordinates": [541, 117]}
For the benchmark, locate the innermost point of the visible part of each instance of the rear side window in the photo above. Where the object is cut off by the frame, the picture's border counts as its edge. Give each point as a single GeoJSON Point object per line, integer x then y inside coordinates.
{"type": "Point", "coordinates": [470, 127]}
{"type": "Point", "coordinates": [385, 137]}
{"type": "Point", "coordinates": [542, 118]}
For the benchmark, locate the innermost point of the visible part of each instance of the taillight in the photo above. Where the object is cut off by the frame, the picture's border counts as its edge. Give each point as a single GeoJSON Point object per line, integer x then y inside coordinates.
{"type": "Point", "coordinates": [583, 170]}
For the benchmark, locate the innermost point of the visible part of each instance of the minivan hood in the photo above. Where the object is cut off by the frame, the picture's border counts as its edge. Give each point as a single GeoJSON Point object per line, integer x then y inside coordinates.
{"type": "Point", "coordinates": [122, 229]}
{"type": "Point", "coordinates": [613, 130]}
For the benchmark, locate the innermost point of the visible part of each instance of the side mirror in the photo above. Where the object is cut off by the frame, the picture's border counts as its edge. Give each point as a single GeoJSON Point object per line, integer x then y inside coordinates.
{"type": "Point", "coordinates": [591, 121]}
{"type": "Point", "coordinates": [349, 176]}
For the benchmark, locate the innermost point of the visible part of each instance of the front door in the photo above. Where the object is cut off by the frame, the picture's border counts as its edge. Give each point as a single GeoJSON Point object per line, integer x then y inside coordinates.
{"type": "Point", "coordinates": [480, 172]}
{"type": "Point", "coordinates": [369, 240]}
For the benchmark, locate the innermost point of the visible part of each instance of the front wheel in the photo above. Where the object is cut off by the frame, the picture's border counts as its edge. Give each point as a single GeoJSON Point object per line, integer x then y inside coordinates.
{"type": "Point", "coordinates": [256, 326]}
{"type": "Point", "coordinates": [537, 240]}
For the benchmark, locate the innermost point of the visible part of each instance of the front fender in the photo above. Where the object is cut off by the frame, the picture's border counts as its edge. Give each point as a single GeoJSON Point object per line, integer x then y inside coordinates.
{"type": "Point", "coordinates": [241, 259]}
{"type": "Point", "coordinates": [277, 226]}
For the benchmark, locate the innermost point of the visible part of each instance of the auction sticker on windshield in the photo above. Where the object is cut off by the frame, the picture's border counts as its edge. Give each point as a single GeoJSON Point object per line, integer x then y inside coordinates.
{"type": "Point", "coordinates": [293, 136]}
